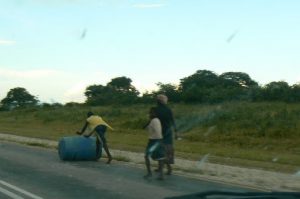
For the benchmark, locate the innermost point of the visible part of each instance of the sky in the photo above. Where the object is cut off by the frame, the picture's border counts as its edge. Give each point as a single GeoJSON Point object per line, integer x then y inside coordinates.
{"type": "Point", "coordinates": [56, 48]}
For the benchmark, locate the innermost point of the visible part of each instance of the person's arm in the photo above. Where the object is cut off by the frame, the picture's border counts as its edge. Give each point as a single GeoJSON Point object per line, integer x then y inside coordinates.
{"type": "Point", "coordinates": [83, 129]}
{"type": "Point", "coordinates": [145, 126]}
{"type": "Point", "coordinates": [174, 126]}
{"type": "Point", "coordinates": [88, 135]}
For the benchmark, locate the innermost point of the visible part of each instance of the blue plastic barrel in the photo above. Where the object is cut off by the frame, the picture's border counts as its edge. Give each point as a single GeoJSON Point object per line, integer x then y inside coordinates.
{"type": "Point", "coordinates": [78, 148]}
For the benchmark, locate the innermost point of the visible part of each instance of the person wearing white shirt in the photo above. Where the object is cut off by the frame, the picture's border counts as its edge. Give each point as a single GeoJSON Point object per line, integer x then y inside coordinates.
{"type": "Point", "coordinates": [154, 147]}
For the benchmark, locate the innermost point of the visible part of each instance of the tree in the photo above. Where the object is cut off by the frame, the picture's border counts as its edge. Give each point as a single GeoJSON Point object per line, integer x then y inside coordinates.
{"type": "Point", "coordinates": [18, 97]}
{"type": "Point", "coordinates": [295, 93]}
{"type": "Point", "coordinates": [93, 91]}
{"type": "Point", "coordinates": [206, 86]}
{"type": "Point", "coordinates": [169, 90]}
{"type": "Point", "coordinates": [198, 87]}
{"type": "Point", "coordinates": [122, 84]}
{"type": "Point", "coordinates": [256, 93]}
{"type": "Point", "coordinates": [202, 78]}
{"type": "Point", "coordinates": [98, 95]}
{"type": "Point", "coordinates": [237, 86]}
{"type": "Point", "coordinates": [237, 79]}
{"type": "Point", "coordinates": [147, 97]}
{"type": "Point", "coordinates": [277, 91]}
{"type": "Point", "coordinates": [118, 91]}
{"type": "Point", "coordinates": [122, 91]}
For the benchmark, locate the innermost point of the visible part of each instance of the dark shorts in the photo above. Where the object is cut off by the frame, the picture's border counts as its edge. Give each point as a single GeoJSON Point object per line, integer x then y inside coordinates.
{"type": "Point", "coordinates": [100, 130]}
{"type": "Point", "coordinates": [155, 149]}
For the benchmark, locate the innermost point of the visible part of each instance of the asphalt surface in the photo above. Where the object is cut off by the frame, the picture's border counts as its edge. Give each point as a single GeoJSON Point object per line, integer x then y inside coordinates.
{"type": "Point", "coordinates": [32, 172]}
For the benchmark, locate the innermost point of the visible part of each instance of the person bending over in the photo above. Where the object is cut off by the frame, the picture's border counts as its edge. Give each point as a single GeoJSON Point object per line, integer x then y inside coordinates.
{"type": "Point", "coordinates": [94, 123]}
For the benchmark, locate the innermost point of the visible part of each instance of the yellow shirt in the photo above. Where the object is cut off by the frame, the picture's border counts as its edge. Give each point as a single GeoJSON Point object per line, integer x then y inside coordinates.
{"type": "Point", "coordinates": [94, 121]}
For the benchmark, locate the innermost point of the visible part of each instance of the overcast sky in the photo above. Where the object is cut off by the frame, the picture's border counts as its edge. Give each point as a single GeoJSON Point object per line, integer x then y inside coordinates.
{"type": "Point", "coordinates": [55, 48]}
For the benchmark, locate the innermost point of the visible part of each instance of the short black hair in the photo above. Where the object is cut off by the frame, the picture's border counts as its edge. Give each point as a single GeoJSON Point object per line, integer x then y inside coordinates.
{"type": "Point", "coordinates": [90, 113]}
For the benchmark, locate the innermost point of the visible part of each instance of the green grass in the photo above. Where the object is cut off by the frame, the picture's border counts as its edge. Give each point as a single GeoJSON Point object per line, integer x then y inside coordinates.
{"type": "Point", "coordinates": [245, 134]}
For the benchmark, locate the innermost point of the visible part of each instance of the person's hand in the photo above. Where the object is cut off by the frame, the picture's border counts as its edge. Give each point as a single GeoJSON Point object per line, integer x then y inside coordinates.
{"type": "Point", "coordinates": [145, 126]}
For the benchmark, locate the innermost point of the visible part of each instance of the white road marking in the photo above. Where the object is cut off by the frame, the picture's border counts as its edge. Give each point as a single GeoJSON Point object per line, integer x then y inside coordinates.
{"type": "Point", "coordinates": [10, 194]}
{"type": "Point", "coordinates": [20, 190]}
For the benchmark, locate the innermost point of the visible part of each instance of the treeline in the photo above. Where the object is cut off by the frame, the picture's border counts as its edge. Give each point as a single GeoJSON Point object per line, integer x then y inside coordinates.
{"type": "Point", "coordinates": [203, 86]}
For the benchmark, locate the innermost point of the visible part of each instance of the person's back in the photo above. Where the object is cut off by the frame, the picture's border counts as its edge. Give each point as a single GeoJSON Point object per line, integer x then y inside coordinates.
{"type": "Point", "coordinates": [154, 129]}
{"type": "Point", "coordinates": [96, 120]}
{"type": "Point", "coordinates": [165, 116]}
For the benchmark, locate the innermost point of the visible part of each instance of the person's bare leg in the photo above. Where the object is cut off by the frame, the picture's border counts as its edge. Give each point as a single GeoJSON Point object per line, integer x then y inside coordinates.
{"type": "Point", "coordinates": [147, 162]}
{"type": "Point", "coordinates": [97, 149]}
{"type": "Point", "coordinates": [109, 157]}
{"type": "Point", "coordinates": [160, 170]}
{"type": "Point", "coordinates": [169, 169]}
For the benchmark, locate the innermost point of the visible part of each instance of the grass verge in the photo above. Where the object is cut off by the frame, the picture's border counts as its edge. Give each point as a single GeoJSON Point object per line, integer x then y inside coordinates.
{"type": "Point", "coordinates": [255, 135]}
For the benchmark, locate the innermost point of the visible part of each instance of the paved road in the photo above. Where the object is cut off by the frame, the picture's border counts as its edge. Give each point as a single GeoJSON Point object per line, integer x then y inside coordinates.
{"type": "Point", "coordinates": [31, 172]}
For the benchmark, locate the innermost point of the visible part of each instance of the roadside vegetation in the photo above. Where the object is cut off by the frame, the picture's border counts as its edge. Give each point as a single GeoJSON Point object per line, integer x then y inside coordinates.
{"type": "Point", "coordinates": [229, 116]}
{"type": "Point", "coordinates": [265, 135]}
